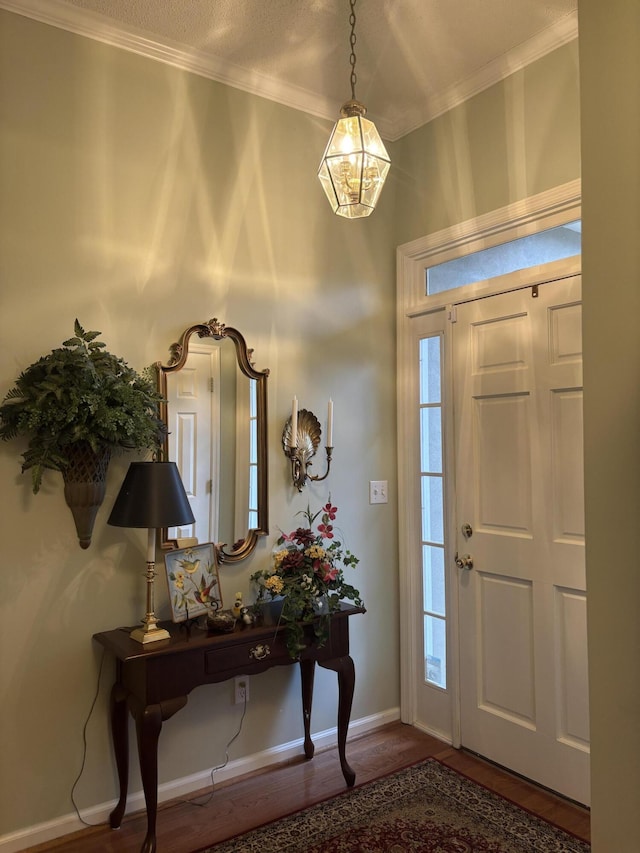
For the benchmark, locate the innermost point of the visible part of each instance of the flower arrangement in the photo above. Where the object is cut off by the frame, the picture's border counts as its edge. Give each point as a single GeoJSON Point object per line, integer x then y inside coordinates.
{"type": "Point", "coordinates": [308, 572]}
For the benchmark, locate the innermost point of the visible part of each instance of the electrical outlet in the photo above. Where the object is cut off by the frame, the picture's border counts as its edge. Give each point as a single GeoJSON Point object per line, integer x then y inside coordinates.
{"type": "Point", "coordinates": [378, 491]}
{"type": "Point", "coordinates": [241, 685]}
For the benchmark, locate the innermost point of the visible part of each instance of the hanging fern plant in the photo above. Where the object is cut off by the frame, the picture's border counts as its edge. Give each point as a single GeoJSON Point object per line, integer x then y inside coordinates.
{"type": "Point", "coordinates": [80, 393]}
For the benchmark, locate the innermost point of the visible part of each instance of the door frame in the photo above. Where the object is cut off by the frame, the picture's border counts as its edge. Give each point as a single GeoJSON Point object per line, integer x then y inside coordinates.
{"type": "Point", "coordinates": [555, 207]}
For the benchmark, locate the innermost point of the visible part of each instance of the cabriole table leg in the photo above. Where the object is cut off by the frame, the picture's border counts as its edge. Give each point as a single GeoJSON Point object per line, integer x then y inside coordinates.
{"type": "Point", "coordinates": [307, 672]}
{"type": "Point", "coordinates": [346, 683]}
{"type": "Point", "coordinates": [120, 737]}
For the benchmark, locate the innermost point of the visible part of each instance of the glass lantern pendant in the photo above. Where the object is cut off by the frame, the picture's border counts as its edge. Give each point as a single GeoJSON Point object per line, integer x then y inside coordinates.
{"type": "Point", "coordinates": [355, 164]}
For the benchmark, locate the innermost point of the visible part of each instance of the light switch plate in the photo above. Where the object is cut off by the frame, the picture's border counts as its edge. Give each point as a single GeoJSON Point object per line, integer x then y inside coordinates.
{"type": "Point", "coordinates": [378, 491]}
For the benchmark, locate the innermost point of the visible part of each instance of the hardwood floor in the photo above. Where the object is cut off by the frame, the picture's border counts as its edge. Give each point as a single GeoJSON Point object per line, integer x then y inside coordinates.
{"type": "Point", "coordinates": [247, 802]}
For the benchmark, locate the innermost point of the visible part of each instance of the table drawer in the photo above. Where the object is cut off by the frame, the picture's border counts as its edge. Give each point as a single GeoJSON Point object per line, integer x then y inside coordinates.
{"type": "Point", "coordinates": [256, 653]}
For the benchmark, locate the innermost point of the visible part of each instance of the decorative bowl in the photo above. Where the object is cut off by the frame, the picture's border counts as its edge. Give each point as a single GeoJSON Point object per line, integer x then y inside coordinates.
{"type": "Point", "coordinates": [221, 620]}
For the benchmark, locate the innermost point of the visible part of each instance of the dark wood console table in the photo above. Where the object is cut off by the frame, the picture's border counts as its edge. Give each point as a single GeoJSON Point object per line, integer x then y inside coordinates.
{"type": "Point", "coordinates": [154, 681]}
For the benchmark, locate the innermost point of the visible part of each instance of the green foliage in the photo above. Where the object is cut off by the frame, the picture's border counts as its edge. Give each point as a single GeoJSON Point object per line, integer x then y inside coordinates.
{"type": "Point", "coordinates": [80, 393]}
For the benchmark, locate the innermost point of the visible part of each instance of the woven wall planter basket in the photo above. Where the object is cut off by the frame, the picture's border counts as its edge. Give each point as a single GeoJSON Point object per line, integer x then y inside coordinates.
{"type": "Point", "coordinates": [85, 486]}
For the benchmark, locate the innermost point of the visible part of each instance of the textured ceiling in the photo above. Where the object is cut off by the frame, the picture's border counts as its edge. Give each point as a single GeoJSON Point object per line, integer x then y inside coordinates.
{"type": "Point", "coordinates": [415, 58]}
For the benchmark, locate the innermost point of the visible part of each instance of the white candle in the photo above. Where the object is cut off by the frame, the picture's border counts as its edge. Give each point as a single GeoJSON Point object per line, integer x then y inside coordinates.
{"type": "Point", "coordinates": [294, 423]}
{"type": "Point", "coordinates": [330, 423]}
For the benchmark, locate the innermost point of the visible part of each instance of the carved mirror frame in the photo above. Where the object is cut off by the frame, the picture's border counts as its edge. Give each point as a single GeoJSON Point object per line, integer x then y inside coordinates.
{"type": "Point", "coordinates": [179, 354]}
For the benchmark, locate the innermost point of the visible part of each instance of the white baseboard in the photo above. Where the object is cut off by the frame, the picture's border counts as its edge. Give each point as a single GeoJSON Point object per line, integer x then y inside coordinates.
{"type": "Point", "coordinates": [445, 737]}
{"type": "Point", "coordinates": [43, 832]}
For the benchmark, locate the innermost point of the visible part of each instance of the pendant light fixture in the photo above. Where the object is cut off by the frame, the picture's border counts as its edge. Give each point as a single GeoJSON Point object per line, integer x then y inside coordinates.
{"type": "Point", "coordinates": [355, 162]}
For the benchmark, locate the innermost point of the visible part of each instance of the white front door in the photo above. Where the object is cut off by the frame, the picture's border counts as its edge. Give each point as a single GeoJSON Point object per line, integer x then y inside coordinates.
{"type": "Point", "coordinates": [517, 385]}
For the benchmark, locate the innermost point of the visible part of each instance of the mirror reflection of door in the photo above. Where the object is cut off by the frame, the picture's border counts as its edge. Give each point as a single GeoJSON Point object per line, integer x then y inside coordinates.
{"type": "Point", "coordinates": [194, 438]}
{"type": "Point", "coordinates": [212, 438]}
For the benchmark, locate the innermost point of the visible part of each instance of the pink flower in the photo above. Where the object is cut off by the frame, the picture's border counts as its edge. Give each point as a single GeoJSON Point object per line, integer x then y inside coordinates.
{"type": "Point", "coordinates": [330, 574]}
{"type": "Point", "coordinates": [330, 510]}
{"type": "Point", "coordinates": [326, 530]}
{"type": "Point", "coordinates": [288, 537]}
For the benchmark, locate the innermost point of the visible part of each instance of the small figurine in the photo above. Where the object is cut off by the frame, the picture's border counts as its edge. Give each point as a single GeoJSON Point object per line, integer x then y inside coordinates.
{"type": "Point", "coordinates": [237, 605]}
{"type": "Point", "coordinates": [247, 616]}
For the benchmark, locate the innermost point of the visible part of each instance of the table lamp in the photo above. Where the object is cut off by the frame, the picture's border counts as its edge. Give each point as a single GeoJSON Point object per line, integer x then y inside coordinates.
{"type": "Point", "coordinates": [152, 495]}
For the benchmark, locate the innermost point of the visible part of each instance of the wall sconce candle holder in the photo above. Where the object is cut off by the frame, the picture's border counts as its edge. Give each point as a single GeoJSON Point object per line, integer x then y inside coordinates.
{"type": "Point", "coordinates": [301, 453]}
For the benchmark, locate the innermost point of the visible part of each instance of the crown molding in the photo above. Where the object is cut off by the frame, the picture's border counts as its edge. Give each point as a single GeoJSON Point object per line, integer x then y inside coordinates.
{"type": "Point", "coordinates": [92, 25]}
{"type": "Point", "coordinates": [545, 42]}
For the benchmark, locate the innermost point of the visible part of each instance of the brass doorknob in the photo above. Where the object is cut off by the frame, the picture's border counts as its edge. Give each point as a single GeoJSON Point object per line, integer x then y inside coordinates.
{"type": "Point", "coordinates": [464, 562]}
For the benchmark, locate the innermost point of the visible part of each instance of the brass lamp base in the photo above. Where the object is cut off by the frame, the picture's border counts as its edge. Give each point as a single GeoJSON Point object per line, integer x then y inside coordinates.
{"type": "Point", "coordinates": [149, 634]}
{"type": "Point", "coordinates": [149, 631]}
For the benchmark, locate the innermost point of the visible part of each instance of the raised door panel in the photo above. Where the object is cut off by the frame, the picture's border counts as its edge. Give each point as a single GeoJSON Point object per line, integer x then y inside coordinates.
{"type": "Point", "coordinates": [572, 719]}
{"type": "Point", "coordinates": [506, 683]}
{"type": "Point", "coordinates": [502, 464]}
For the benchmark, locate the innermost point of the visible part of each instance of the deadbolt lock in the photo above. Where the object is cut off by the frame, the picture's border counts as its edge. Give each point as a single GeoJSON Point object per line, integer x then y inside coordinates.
{"type": "Point", "coordinates": [467, 531]}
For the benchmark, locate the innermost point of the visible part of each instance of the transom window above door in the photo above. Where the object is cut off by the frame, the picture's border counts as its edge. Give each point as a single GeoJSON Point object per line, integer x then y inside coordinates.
{"type": "Point", "coordinates": [554, 244]}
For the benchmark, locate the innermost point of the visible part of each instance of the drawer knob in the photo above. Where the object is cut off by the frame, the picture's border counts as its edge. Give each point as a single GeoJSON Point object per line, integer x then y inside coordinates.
{"type": "Point", "coordinates": [260, 652]}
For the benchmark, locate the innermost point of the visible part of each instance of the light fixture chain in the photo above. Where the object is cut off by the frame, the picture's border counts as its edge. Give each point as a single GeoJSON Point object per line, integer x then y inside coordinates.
{"type": "Point", "coordinates": [352, 41]}
{"type": "Point", "coordinates": [352, 172]}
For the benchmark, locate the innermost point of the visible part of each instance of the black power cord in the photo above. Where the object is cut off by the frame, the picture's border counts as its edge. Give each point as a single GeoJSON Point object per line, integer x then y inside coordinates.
{"type": "Point", "coordinates": [206, 802]}
{"type": "Point", "coordinates": [193, 802]}
{"type": "Point", "coordinates": [84, 746]}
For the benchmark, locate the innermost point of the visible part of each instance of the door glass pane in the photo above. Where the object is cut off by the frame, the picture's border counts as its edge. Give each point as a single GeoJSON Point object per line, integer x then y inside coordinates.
{"type": "Point", "coordinates": [433, 579]}
{"type": "Point", "coordinates": [435, 651]}
{"type": "Point", "coordinates": [253, 413]}
{"type": "Point", "coordinates": [432, 509]}
{"type": "Point", "coordinates": [431, 439]}
{"type": "Point", "coordinates": [430, 383]}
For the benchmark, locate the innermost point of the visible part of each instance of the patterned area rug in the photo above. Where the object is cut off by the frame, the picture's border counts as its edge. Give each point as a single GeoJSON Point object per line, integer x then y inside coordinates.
{"type": "Point", "coordinates": [427, 808]}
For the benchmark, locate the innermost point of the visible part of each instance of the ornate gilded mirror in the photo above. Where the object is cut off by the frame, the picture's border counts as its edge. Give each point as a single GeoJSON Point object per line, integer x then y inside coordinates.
{"type": "Point", "coordinates": [216, 416]}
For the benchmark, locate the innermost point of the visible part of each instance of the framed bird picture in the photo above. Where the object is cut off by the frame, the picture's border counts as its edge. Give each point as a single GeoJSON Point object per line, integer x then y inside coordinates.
{"type": "Point", "coordinates": [194, 585]}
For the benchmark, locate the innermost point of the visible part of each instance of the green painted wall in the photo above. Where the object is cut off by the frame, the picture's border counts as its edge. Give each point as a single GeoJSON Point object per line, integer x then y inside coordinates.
{"type": "Point", "coordinates": [515, 139]}
{"type": "Point", "coordinates": [610, 83]}
{"type": "Point", "coordinates": [142, 199]}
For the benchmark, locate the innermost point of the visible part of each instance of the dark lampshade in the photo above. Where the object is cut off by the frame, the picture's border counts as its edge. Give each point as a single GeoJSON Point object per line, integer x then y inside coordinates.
{"type": "Point", "coordinates": [152, 495]}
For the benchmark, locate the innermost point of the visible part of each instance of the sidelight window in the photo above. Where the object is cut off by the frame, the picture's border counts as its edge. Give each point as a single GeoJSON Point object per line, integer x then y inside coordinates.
{"type": "Point", "coordinates": [432, 512]}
